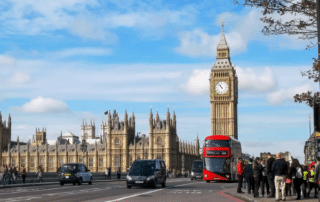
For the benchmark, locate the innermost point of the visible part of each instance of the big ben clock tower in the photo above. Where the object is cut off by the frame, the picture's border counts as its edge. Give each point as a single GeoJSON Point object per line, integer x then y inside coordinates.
{"type": "Point", "coordinates": [223, 92]}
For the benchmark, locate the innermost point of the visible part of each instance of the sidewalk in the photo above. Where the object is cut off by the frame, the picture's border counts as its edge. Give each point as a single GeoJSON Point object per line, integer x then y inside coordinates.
{"type": "Point", "coordinates": [249, 197]}
{"type": "Point", "coordinates": [48, 183]}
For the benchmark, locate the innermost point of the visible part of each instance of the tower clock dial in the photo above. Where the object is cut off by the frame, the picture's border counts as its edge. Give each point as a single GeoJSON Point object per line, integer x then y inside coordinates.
{"type": "Point", "coordinates": [221, 87]}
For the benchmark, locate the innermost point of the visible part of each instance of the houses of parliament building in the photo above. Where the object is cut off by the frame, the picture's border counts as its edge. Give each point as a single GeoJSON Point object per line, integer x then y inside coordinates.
{"type": "Point", "coordinates": [117, 147]}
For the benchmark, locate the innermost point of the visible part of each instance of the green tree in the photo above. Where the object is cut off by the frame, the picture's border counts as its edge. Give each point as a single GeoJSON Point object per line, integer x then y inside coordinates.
{"type": "Point", "coordinates": [302, 22]}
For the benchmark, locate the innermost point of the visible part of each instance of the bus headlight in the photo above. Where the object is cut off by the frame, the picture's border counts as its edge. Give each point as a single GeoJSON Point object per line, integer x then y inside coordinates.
{"type": "Point", "coordinates": [192, 173]}
{"type": "Point", "coordinates": [228, 176]}
{"type": "Point", "coordinates": [205, 175]}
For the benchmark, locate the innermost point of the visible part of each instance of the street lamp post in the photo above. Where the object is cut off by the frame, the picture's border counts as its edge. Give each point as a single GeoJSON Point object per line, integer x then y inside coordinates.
{"type": "Point", "coordinates": [83, 148]}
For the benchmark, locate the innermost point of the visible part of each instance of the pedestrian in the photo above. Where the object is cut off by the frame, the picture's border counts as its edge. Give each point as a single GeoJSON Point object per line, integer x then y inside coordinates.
{"type": "Point", "coordinates": [14, 174]}
{"type": "Point", "coordinates": [109, 174]}
{"type": "Point", "coordinates": [305, 181]}
{"type": "Point", "coordinates": [270, 175]}
{"type": "Point", "coordinates": [311, 183]}
{"type": "Point", "coordinates": [317, 177]}
{"type": "Point", "coordinates": [40, 173]}
{"type": "Point", "coordinates": [288, 180]}
{"type": "Point", "coordinates": [249, 177]}
{"type": "Point", "coordinates": [240, 172]}
{"type": "Point", "coordinates": [106, 173]}
{"type": "Point", "coordinates": [280, 169]}
{"type": "Point", "coordinates": [10, 173]}
{"type": "Point", "coordinates": [297, 177]}
{"type": "Point", "coordinates": [256, 172]}
{"type": "Point", "coordinates": [118, 174]}
{"type": "Point", "coordinates": [2, 177]}
{"type": "Point", "coordinates": [23, 174]}
{"type": "Point", "coordinates": [264, 179]}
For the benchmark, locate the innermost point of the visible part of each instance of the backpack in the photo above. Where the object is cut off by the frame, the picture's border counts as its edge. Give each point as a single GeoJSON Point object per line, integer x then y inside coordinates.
{"type": "Point", "coordinates": [299, 173]}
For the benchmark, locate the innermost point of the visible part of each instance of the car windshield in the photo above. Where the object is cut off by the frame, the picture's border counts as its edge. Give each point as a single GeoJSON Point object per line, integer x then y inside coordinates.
{"type": "Point", "coordinates": [68, 168]}
{"type": "Point", "coordinates": [217, 165]}
{"type": "Point", "coordinates": [143, 168]}
{"type": "Point", "coordinates": [197, 166]}
{"type": "Point", "coordinates": [217, 143]}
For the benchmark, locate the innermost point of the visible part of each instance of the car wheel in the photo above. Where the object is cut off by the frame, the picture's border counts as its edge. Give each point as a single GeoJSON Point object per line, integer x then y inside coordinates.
{"type": "Point", "coordinates": [164, 183]}
{"type": "Point", "coordinates": [191, 179]}
{"type": "Point", "coordinates": [208, 181]}
{"type": "Point", "coordinates": [154, 184]}
{"type": "Point", "coordinates": [90, 183]}
{"type": "Point", "coordinates": [74, 183]}
{"type": "Point", "coordinates": [80, 181]}
{"type": "Point", "coordinates": [61, 183]}
{"type": "Point", "coordinates": [195, 178]}
{"type": "Point", "coordinates": [129, 186]}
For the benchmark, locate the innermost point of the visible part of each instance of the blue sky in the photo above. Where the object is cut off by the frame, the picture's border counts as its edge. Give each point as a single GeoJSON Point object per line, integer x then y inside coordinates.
{"type": "Point", "coordinates": [66, 60]}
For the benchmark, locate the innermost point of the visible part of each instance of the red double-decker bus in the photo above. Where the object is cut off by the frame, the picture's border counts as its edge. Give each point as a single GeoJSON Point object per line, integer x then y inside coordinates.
{"type": "Point", "coordinates": [220, 157]}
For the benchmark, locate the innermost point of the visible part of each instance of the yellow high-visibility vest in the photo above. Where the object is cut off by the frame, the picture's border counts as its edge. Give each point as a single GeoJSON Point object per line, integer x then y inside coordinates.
{"type": "Point", "coordinates": [305, 173]}
{"type": "Point", "coordinates": [311, 176]}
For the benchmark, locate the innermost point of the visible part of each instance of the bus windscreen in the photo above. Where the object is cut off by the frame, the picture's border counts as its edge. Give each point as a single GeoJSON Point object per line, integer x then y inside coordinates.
{"type": "Point", "coordinates": [217, 165]}
{"type": "Point", "coordinates": [217, 143]}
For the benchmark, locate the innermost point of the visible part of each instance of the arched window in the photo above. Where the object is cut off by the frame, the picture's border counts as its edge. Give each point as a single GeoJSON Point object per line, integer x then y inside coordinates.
{"type": "Point", "coordinates": [117, 141]}
{"type": "Point", "coordinates": [159, 141]}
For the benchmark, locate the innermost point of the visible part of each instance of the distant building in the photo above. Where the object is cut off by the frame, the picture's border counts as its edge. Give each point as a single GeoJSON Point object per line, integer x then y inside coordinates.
{"type": "Point", "coordinates": [117, 147]}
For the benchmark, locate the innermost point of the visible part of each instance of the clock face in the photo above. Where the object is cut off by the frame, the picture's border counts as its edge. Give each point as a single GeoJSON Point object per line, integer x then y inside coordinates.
{"type": "Point", "coordinates": [221, 87]}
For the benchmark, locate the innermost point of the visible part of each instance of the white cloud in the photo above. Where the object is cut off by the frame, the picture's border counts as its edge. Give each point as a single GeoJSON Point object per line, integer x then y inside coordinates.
{"type": "Point", "coordinates": [6, 61]}
{"type": "Point", "coordinates": [88, 51]}
{"type": "Point", "coordinates": [280, 96]}
{"type": "Point", "coordinates": [20, 77]}
{"type": "Point", "coordinates": [249, 81]}
{"type": "Point", "coordinates": [198, 83]}
{"type": "Point", "coordinates": [44, 105]}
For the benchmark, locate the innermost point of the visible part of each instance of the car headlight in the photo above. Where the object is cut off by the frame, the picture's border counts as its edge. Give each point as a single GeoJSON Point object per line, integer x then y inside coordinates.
{"type": "Point", "coordinates": [227, 176]}
{"type": "Point", "coordinates": [129, 178]}
{"type": "Point", "coordinates": [192, 173]}
{"type": "Point", "coordinates": [150, 177]}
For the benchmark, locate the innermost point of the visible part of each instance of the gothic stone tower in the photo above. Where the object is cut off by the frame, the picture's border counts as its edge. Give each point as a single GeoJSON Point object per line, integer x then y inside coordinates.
{"type": "Point", "coordinates": [5, 135]}
{"type": "Point", "coordinates": [163, 139]}
{"type": "Point", "coordinates": [88, 131]}
{"type": "Point", "coordinates": [41, 137]}
{"type": "Point", "coordinates": [223, 92]}
{"type": "Point", "coordinates": [118, 135]}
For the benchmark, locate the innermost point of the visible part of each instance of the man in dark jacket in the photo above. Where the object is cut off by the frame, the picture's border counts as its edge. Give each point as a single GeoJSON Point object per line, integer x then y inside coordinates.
{"type": "Point", "coordinates": [240, 171]}
{"type": "Point", "coordinates": [280, 169]}
{"type": "Point", "coordinates": [270, 175]}
{"type": "Point", "coordinates": [249, 177]}
{"type": "Point", "coordinates": [256, 172]}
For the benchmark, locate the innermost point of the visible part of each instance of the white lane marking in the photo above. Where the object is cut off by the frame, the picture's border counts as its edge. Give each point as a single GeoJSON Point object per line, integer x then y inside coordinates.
{"type": "Point", "coordinates": [119, 199]}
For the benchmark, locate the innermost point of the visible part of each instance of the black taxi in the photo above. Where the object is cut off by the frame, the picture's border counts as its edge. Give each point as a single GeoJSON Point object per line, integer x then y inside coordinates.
{"type": "Point", "coordinates": [75, 173]}
{"type": "Point", "coordinates": [147, 173]}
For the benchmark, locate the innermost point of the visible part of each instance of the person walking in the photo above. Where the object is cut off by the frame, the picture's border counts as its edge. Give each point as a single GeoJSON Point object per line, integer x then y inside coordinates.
{"type": "Point", "coordinates": [118, 174]}
{"type": "Point", "coordinates": [14, 174]}
{"type": "Point", "coordinates": [249, 177]}
{"type": "Point", "coordinates": [3, 174]}
{"type": "Point", "coordinates": [297, 177]}
{"type": "Point", "coordinates": [106, 173]}
{"type": "Point", "coordinates": [256, 172]}
{"type": "Point", "coordinates": [280, 169]}
{"type": "Point", "coordinates": [288, 180]}
{"type": "Point", "coordinates": [40, 173]}
{"type": "Point", "coordinates": [311, 183]}
{"type": "Point", "coordinates": [270, 175]}
{"type": "Point", "coordinates": [240, 172]}
{"type": "Point", "coordinates": [305, 181]}
{"type": "Point", "coordinates": [9, 174]}
{"type": "Point", "coordinates": [109, 176]}
{"type": "Point", "coordinates": [264, 179]}
{"type": "Point", "coordinates": [23, 174]}
{"type": "Point", "coordinates": [317, 177]}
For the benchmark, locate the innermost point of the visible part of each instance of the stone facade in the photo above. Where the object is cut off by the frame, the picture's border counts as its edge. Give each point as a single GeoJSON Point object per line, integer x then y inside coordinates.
{"type": "Point", "coordinates": [224, 93]}
{"type": "Point", "coordinates": [118, 147]}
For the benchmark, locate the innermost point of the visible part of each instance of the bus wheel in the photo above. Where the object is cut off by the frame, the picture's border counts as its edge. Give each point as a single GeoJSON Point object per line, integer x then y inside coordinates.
{"type": "Point", "coordinates": [208, 181]}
